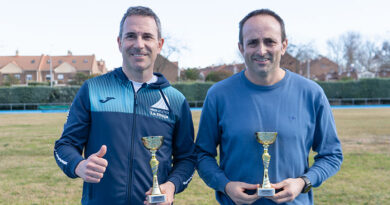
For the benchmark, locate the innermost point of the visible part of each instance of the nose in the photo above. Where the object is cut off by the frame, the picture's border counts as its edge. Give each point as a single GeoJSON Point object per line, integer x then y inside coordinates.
{"type": "Point", "coordinates": [139, 43]}
{"type": "Point", "coordinates": [262, 49]}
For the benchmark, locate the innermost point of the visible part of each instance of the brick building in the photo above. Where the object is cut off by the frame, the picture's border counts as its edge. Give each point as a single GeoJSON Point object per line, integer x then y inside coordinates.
{"type": "Point", "coordinates": [37, 68]}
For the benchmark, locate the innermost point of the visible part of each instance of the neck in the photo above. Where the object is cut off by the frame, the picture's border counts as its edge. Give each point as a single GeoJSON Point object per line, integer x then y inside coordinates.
{"type": "Point", "coordinates": [265, 78]}
{"type": "Point", "coordinates": [140, 76]}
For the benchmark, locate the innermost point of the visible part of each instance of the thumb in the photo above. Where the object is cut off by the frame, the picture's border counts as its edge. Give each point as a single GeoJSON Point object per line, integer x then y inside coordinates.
{"type": "Point", "coordinates": [149, 192]}
{"type": "Point", "coordinates": [102, 151]}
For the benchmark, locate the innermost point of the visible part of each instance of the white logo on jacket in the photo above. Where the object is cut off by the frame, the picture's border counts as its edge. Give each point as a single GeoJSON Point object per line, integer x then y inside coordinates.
{"type": "Point", "coordinates": [160, 108]}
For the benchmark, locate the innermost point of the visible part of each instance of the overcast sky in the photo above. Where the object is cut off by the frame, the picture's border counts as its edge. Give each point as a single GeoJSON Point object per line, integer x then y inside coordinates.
{"type": "Point", "coordinates": [206, 29]}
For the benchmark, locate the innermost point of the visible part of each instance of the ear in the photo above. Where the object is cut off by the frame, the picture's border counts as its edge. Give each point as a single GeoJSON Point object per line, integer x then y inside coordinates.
{"type": "Point", "coordinates": [241, 48]}
{"type": "Point", "coordinates": [119, 43]}
{"type": "Point", "coordinates": [284, 46]}
{"type": "Point", "coordinates": [160, 44]}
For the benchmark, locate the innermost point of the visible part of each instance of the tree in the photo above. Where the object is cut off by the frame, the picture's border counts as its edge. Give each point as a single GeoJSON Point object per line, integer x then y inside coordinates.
{"type": "Point", "coordinates": [302, 52]}
{"type": "Point", "coordinates": [219, 75]}
{"type": "Point", "coordinates": [351, 45]}
{"type": "Point", "coordinates": [191, 74]}
{"type": "Point", "coordinates": [171, 48]}
{"type": "Point", "coordinates": [10, 80]}
{"type": "Point", "coordinates": [80, 77]}
{"type": "Point", "coordinates": [336, 52]}
{"type": "Point", "coordinates": [368, 56]}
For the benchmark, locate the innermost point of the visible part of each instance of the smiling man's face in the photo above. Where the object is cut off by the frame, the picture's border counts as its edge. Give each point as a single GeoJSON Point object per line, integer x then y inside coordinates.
{"type": "Point", "coordinates": [139, 43]}
{"type": "Point", "coordinates": [262, 46]}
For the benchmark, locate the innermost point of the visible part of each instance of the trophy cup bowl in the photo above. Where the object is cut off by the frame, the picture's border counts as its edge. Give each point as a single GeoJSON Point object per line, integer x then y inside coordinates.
{"type": "Point", "coordinates": [266, 138]}
{"type": "Point", "coordinates": [153, 143]}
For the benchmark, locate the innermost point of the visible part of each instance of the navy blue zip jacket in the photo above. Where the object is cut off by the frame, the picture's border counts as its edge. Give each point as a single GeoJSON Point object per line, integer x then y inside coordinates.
{"type": "Point", "coordinates": [107, 111]}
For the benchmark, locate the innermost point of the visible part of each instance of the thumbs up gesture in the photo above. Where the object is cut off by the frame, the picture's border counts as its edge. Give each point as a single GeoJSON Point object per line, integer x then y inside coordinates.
{"type": "Point", "coordinates": [92, 169]}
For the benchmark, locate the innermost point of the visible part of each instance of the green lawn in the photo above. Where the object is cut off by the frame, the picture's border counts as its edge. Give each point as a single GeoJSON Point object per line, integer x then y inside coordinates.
{"type": "Point", "coordinates": [29, 174]}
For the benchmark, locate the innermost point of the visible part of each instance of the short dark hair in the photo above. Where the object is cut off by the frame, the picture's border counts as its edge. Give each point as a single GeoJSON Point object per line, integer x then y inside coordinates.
{"type": "Point", "coordinates": [262, 12]}
{"type": "Point", "coordinates": [140, 11]}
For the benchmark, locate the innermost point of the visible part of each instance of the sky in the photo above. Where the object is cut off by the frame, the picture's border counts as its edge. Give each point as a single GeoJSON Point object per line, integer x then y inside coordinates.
{"type": "Point", "coordinates": [205, 31]}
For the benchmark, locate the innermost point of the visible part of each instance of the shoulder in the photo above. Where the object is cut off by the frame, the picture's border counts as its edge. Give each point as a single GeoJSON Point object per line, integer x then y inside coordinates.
{"type": "Point", "coordinates": [305, 84]}
{"type": "Point", "coordinates": [173, 93]}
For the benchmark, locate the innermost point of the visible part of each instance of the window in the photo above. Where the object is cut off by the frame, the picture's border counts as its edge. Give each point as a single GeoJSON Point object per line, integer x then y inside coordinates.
{"type": "Point", "coordinates": [60, 76]}
{"type": "Point", "coordinates": [47, 76]}
{"type": "Point", "coordinates": [17, 76]}
{"type": "Point", "coordinates": [73, 61]}
{"type": "Point", "coordinates": [28, 77]}
{"type": "Point", "coordinates": [48, 61]}
{"type": "Point", "coordinates": [32, 61]}
{"type": "Point", "coordinates": [60, 61]}
{"type": "Point", "coordinates": [85, 60]}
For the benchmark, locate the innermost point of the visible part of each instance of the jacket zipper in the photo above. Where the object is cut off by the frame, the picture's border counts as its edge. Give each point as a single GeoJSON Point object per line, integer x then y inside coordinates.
{"type": "Point", "coordinates": [132, 146]}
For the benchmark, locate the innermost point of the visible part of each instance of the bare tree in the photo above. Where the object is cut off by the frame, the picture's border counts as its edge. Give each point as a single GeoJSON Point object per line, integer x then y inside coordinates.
{"type": "Point", "coordinates": [303, 52]}
{"type": "Point", "coordinates": [352, 49]}
{"type": "Point", "coordinates": [385, 52]}
{"type": "Point", "coordinates": [336, 52]}
{"type": "Point", "coordinates": [368, 56]}
{"type": "Point", "coordinates": [172, 47]}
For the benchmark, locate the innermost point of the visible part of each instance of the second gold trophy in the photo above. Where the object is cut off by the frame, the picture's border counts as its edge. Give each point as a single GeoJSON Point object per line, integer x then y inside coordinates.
{"type": "Point", "coordinates": [153, 143]}
{"type": "Point", "coordinates": [266, 139]}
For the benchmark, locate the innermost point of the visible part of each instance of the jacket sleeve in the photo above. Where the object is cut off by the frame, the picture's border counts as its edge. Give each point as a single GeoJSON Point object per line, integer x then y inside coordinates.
{"type": "Point", "coordinates": [68, 149]}
{"type": "Point", "coordinates": [183, 152]}
{"type": "Point", "coordinates": [207, 141]}
{"type": "Point", "coordinates": [326, 144]}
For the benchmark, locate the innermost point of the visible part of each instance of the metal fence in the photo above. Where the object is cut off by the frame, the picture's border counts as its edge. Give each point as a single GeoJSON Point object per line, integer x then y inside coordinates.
{"type": "Point", "coordinates": [34, 106]}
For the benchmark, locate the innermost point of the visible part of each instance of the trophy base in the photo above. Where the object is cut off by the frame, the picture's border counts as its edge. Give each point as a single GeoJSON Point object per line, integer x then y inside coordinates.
{"type": "Point", "coordinates": [265, 191]}
{"type": "Point", "coordinates": [160, 198]}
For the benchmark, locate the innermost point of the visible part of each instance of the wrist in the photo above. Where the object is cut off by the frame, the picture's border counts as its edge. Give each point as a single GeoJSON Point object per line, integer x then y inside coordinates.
{"type": "Point", "coordinates": [78, 167]}
{"type": "Point", "coordinates": [307, 184]}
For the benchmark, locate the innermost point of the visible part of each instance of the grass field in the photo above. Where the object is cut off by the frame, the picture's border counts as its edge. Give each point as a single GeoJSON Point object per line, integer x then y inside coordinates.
{"type": "Point", "coordinates": [29, 174]}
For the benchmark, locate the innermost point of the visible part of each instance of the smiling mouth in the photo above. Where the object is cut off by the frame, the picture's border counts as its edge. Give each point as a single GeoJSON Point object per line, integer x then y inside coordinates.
{"type": "Point", "coordinates": [138, 55]}
{"type": "Point", "coordinates": [261, 60]}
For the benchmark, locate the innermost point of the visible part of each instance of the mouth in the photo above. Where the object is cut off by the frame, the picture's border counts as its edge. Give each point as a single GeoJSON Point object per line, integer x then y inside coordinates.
{"type": "Point", "coordinates": [262, 60]}
{"type": "Point", "coordinates": [138, 54]}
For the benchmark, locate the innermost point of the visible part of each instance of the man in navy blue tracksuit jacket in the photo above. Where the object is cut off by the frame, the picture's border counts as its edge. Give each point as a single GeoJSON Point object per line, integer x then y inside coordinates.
{"type": "Point", "coordinates": [111, 113]}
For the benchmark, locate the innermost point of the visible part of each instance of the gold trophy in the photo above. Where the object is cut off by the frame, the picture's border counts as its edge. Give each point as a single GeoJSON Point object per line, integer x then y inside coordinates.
{"type": "Point", "coordinates": [152, 143]}
{"type": "Point", "coordinates": [266, 138]}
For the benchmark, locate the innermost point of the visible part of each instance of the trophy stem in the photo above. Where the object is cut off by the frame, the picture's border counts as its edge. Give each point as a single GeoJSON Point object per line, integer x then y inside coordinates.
{"type": "Point", "coordinates": [266, 159]}
{"type": "Point", "coordinates": [154, 165]}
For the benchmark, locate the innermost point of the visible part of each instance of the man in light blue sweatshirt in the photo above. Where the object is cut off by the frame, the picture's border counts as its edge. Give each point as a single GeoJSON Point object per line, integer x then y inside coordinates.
{"type": "Point", "coordinates": [265, 97]}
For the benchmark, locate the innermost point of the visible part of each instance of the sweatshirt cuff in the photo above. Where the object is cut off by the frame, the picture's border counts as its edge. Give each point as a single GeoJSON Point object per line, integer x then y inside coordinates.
{"type": "Point", "coordinates": [312, 176]}
{"type": "Point", "coordinates": [221, 182]}
{"type": "Point", "coordinates": [71, 168]}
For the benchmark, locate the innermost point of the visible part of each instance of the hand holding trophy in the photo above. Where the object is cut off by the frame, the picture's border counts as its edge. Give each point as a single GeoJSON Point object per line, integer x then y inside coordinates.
{"type": "Point", "coordinates": [266, 138]}
{"type": "Point", "coordinates": [152, 143]}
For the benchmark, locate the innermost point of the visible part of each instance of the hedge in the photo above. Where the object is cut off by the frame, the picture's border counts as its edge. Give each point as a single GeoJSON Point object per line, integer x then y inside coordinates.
{"type": "Point", "coordinates": [38, 94]}
{"type": "Point", "coordinates": [364, 88]}
{"type": "Point", "coordinates": [194, 91]}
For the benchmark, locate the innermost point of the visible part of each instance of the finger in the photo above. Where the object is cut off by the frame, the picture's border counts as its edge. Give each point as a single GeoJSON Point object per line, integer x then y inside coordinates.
{"type": "Point", "coordinates": [279, 185]}
{"type": "Point", "coordinates": [94, 165]}
{"type": "Point", "coordinates": [94, 174]}
{"type": "Point", "coordinates": [282, 196]}
{"type": "Point", "coordinates": [102, 151]}
{"type": "Point", "coordinates": [99, 161]}
{"type": "Point", "coordinates": [90, 179]}
{"type": "Point", "coordinates": [248, 186]}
